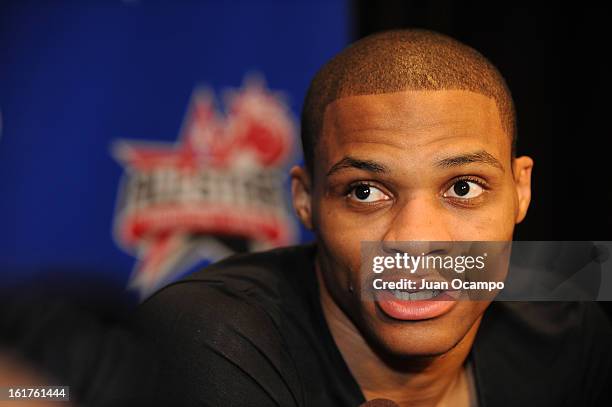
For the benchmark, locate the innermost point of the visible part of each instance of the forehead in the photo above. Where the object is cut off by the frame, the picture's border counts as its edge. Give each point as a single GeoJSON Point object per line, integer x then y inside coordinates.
{"type": "Point", "coordinates": [417, 122]}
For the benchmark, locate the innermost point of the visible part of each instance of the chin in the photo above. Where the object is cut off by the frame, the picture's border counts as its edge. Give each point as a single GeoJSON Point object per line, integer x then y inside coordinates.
{"type": "Point", "coordinates": [407, 345]}
{"type": "Point", "coordinates": [424, 338]}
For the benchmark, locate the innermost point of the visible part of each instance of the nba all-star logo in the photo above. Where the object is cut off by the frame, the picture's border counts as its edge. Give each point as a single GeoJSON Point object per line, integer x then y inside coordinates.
{"type": "Point", "coordinates": [218, 190]}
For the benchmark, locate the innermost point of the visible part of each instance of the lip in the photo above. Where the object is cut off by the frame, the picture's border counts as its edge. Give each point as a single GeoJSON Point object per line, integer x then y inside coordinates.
{"type": "Point", "coordinates": [414, 310]}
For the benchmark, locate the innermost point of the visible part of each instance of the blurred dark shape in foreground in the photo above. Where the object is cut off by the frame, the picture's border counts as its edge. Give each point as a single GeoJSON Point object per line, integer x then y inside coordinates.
{"type": "Point", "coordinates": [67, 331]}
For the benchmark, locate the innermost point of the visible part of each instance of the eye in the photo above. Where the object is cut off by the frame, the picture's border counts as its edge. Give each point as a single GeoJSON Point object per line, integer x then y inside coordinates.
{"type": "Point", "coordinates": [367, 193]}
{"type": "Point", "coordinates": [464, 189]}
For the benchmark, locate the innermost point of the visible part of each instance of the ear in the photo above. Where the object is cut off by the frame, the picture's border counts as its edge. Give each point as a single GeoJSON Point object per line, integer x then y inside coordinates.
{"type": "Point", "coordinates": [301, 194]}
{"type": "Point", "coordinates": [521, 170]}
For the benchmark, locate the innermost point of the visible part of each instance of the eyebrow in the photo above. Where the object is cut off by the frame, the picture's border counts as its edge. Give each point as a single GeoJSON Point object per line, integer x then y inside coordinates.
{"type": "Point", "coordinates": [351, 162]}
{"type": "Point", "coordinates": [480, 156]}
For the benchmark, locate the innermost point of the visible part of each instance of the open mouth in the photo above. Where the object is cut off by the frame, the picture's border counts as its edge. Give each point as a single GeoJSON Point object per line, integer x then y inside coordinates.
{"type": "Point", "coordinates": [415, 295]}
{"type": "Point", "coordinates": [415, 305]}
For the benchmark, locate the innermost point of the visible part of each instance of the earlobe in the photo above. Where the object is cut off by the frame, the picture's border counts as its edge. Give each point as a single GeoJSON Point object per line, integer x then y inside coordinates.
{"type": "Point", "coordinates": [300, 193]}
{"type": "Point", "coordinates": [521, 169]}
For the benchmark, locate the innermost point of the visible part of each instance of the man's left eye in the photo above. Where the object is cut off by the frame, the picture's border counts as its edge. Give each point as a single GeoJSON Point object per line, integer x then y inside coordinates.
{"type": "Point", "coordinates": [464, 189]}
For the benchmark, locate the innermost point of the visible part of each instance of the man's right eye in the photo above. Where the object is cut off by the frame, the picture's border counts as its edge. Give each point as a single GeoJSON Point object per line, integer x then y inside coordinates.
{"type": "Point", "coordinates": [367, 193]}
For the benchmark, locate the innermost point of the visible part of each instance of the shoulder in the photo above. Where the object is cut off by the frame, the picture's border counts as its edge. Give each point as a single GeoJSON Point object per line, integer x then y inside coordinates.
{"type": "Point", "coordinates": [261, 270]}
{"type": "Point", "coordinates": [547, 353]}
{"type": "Point", "coordinates": [221, 328]}
{"type": "Point", "coordinates": [249, 283]}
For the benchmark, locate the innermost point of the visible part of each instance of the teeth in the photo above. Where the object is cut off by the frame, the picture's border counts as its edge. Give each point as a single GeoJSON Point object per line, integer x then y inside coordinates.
{"type": "Point", "coordinates": [419, 295]}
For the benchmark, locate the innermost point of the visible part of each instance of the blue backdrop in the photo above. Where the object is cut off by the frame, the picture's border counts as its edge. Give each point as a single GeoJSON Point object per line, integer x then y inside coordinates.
{"type": "Point", "coordinates": [74, 76]}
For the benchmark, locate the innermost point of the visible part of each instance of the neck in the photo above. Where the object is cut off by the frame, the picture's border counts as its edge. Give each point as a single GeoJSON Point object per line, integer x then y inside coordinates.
{"type": "Point", "coordinates": [422, 381]}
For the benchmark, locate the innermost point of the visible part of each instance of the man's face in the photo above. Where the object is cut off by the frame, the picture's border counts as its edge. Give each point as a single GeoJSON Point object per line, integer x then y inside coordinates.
{"type": "Point", "coordinates": [410, 166]}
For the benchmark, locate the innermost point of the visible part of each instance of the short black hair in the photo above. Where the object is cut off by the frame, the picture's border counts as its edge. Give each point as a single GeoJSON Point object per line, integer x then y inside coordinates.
{"type": "Point", "coordinates": [398, 60]}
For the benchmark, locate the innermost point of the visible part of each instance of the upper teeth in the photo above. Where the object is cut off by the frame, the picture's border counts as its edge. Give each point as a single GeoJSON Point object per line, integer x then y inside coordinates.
{"type": "Point", "coordinates": [419, 295]}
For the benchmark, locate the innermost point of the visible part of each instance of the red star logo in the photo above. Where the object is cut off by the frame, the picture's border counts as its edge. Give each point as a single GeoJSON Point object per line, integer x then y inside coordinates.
{"type": "Point", "coordinates": [224, 177]}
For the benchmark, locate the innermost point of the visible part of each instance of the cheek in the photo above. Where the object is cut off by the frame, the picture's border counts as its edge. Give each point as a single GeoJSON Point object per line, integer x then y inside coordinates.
{"type": "Point", "coordinates": [494, 222]}
{"type": "Point", "coordinates": [341, 234]}
{"type": "Point", "coordinates": [501, 226]}
{"type": "Point", "coordinates": [488, 227]}
{"type": "Point", "coordinates": [340, 241]}
{"type": "Point", "coordinates": [352, 225]}
{"type": "Point", "coordinates": [342, 251]}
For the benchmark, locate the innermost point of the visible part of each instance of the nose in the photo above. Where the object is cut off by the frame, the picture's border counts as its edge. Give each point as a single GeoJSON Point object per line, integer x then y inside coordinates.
{"type": "Point", "coordinates": [419, 227]}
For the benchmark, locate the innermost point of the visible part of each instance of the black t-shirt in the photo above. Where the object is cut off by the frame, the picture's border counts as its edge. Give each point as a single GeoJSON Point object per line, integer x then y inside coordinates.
{"type": "Point", "coordinates": [250, 331]}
